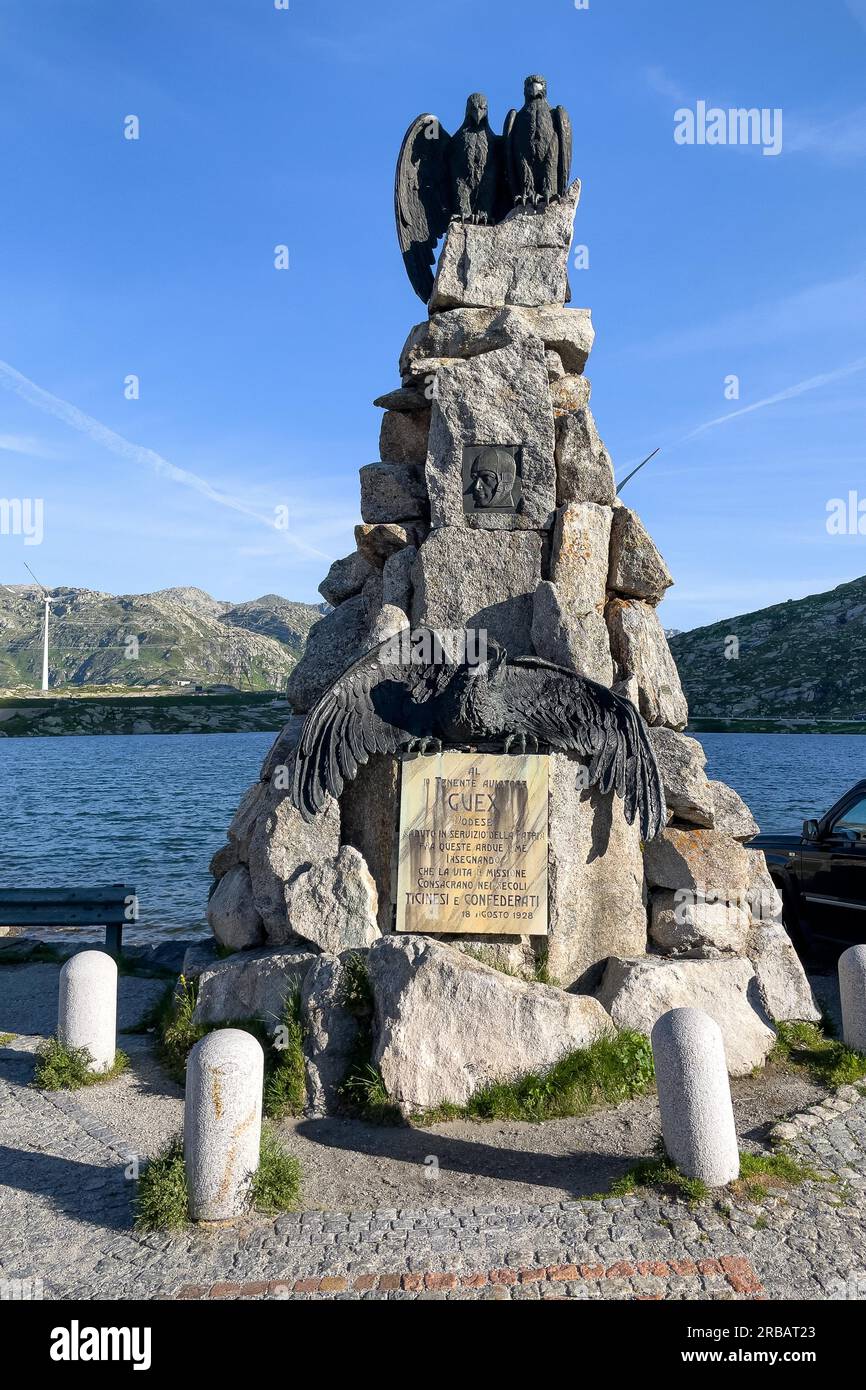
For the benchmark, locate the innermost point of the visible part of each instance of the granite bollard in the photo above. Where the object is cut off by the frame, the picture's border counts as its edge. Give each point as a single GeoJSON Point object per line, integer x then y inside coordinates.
{"type": "Point", "coordinates": [222, 1123]}
{"type": "Point", "coordinates": [695, 1096]}
{"type": "Point", "coordinates": [852, 992]}
{"type": "Point", "coordinates": [87, 1006]}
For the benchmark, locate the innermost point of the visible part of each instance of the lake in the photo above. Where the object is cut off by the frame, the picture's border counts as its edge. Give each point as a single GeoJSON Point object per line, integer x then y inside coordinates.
{"type": "Point", "coordinates": [150, 809]}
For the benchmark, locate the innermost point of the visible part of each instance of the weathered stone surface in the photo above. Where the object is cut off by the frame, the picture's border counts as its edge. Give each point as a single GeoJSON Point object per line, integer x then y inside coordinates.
{"type": "Point", "coordinates": [577, 640]}
{"type": "Point", "coordinates": [279, 756]}
{"type": "Point", "coordinates": [467, 332]}
{"type": "Point", "coordinates": [784, 987]}
{"type": "Point", "coordinates": [387, 623]}
{"type": "Point", "coordinates": [581, 542]}
{"type": "Point", "coordinates": [553, 362]}
{"type": "Point", "coordinates": [403, 436]}
{"type": "Point", "coordinates": [596, 879]}
{"type": "Point", "coordinates": [397, 578]}
{"type": "Point", "coordinates": [244, 820]}
{"type": "Point", "coordinates": [222, 1123]}
{"type": "Point", "coordinates": [447, 1025]}
{"type": "Point", "coordinates": [637, 992]}
{"type": "Point", "coordinates": [404, 398]}
{"type": "Point", "coordinates": [686, 923]}
{"type": "Point", "coordinates": [584, 472]}
{"type": "Point", "coordinates": [87, 1006]}
{"type": "Point", "coordinates": [282, 847]}
{"type": "Point", "coordinates": [369, 811]}
{"type": "Point", "coordinates": [393, 492]}
{"type": "Point", "coordinates": [499, 398]}
{"type": "Point", "coordinates": [377, 543]}
{"type": "Point", "coordinates": [704, 860]}
{"type": "Point", "coordinates": [232, 914]}
{"type": "Point", "coordinates": [764, 898]}
{"type": "Point", "coordinates": [198, 957]}
{"type": "Point", "coordinates": [345, 578]}
{"type": "Point", "coordinates": [852, 991]}
{"type": "Point", "coordinates": [334, 642]}
{"type": "Point", "coordinates": [568, 394]}
{"type": "Point", "coordinates": [681, 760]}
{"type": "Point", "coordinates": [330, 1033]}
{"type": "Point", "coordinates": [334, 903]}
{"type": "Point", "coordinates": [732, 815]}
{"type": "Point", "coordinates": [636, 567]}
{"type": "Point", "coordinates": [224, 859]}
{"type": "Point", "coordinates": [478, 579]}
{"type": "Point", "coordinates": [640, 648]}
{"type": "Point", "coordinates": [252, 984]}
{"type": "Point", "coordinates": [697, 1116]}
{"type": "Point", "coordinates": [522, 260]}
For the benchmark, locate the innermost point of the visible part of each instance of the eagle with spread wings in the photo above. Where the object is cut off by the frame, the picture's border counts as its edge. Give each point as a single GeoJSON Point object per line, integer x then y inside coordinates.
{"type": "Point", "coordinates": [443, 178]}
{"type": "Point", "coordinates": [386, 704]}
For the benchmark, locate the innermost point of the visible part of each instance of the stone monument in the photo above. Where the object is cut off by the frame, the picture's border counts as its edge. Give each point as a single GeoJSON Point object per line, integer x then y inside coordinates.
{"type": "Point", "coordinates": [492, 517]}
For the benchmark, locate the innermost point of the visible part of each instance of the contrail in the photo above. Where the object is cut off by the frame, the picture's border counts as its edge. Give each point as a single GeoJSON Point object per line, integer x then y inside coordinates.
{"type": "Point", "coordinates": [811, 383]}
{"type": "Point", "coordinates": [136, 453]}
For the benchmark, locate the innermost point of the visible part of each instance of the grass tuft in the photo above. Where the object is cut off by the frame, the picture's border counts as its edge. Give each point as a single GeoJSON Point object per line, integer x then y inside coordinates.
{"type": "Point", "coordinates": [285, 1075]}
{"type": "Point", "coordinates": [160, 1200]}
{"type": "Point", "coordinates": [62, 1068]}
{"type": "Point", "coordinates": [283, 1046]}
{"type": "Point", "coordinates": [616, 1067]}
{"type": "Point", "coordinates": [806, 1047]}
{"type": "Point", "coordinates": [6, 1039]}
{"type": "Point", "coordinates": [761, 1174]}
{"type": "Point", "coordinates": [276, 1185]}
{"type": "Point", "coordinates": [658, 1172]}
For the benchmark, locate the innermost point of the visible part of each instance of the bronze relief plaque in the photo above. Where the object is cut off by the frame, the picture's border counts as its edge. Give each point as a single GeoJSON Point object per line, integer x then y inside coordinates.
{"type": "Point", "coordinates": [473, 844]}
{"type": "Point", "coordinates": [492, 478]}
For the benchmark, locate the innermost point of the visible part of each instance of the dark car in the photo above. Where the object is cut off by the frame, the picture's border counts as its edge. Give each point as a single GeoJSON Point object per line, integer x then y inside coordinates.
{"type": "Point", "coordinates": [821, 873]}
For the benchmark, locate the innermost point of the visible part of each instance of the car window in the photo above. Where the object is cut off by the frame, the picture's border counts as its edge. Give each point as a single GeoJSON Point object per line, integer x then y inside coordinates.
{"type": "Point", "coordinates": [853, 820]}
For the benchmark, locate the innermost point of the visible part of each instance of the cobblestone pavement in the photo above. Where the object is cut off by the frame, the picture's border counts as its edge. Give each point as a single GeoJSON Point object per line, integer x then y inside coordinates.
{"type": "Point", "coordinates": [66, 1188]}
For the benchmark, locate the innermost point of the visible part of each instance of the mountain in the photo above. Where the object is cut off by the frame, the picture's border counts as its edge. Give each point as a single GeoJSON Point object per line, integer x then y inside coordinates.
{"type": "Point", "coordinates": [158, 639]}
{"type": "Point", "coordinates": [804, 659]}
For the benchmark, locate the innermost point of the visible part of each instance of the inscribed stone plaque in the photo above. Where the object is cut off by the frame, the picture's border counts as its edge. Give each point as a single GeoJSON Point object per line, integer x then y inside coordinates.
{"type": "Point", "coordinates": [473, 844]}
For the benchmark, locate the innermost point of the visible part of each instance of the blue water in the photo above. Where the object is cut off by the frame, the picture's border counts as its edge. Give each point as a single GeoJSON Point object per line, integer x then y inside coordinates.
{"type": "Point", "coordinates": [143, 809]}
{"type": "Point", "coordinates": [150, 809]}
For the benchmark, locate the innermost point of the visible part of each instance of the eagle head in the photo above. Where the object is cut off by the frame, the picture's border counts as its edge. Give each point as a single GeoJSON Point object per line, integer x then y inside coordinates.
{"type": "Point", "coordinates": [535, 87]}
{"type": "Point", "coordinates": [492, 668]}
{"type": "Point", "coordinates": [476, 109]}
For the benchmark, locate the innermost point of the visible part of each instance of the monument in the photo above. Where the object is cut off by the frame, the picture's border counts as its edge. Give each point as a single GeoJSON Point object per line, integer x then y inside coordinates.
{"type": "Point", "coordinates": [486, 756]}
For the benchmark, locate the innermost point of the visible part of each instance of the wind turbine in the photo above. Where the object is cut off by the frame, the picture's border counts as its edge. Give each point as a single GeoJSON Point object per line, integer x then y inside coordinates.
{"type": "Point", "coordinates": [47, 599]}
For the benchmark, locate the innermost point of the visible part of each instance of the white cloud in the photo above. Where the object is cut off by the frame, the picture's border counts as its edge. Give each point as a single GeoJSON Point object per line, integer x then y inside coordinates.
{"type": "Point", "coordinates": [660, 82]}
{"type": "Point", "coordinates": [143, 457]}
{"type": "Point", "coordinates": [840, 141]}
{"type": "Point", "coordinates": [812, 383]}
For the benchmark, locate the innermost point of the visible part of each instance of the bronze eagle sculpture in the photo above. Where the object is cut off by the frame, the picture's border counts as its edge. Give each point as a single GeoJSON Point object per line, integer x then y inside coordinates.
{"type": "Point", "coordinates": [442, 178]}
{"type": "Point", "coordinates": [537, 147]}
{"type": "Point", "coordinates": [386, 704]}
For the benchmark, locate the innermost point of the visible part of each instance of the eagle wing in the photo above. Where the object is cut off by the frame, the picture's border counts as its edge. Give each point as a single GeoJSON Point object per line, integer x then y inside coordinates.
{"type": "Point", "coordinates": [510, 163]}
{"type": "Point", "coordinates": [562, 125]}
{"type": "Point", "coordinates": [375, 706]}
{"type": "Point", "coordinates": [422, 205]}
{"type": "Point", "coordinates": [573, 714]}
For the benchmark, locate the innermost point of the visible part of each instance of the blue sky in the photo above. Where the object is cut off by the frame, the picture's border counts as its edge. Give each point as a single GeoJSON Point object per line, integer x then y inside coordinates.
{"type": "Point", "coordinates": [261, 126]}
